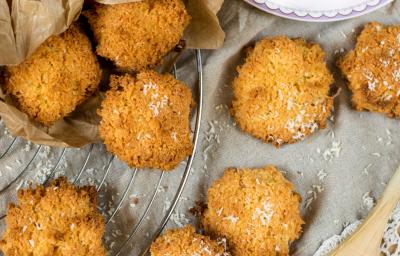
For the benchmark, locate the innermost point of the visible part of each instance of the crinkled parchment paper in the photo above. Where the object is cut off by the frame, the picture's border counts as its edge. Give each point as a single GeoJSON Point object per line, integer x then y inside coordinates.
{"type": "Point", "coordinates": [75, 130]}
{"type": "Point", "coordinates": [21, 33]}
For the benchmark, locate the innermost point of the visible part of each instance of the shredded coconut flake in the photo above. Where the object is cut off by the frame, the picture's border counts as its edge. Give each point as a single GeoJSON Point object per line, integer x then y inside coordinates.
{"type": "Point", "coordinates": [333, 151]}
{"type": "Point", "coordinates": [179, 219]}
{"type": "Point", "coordinates": [368, 201]}
{"type": "Point", "coordinates": [322, 174]}
{"type": "Point", "coordinates": [396, 75]}
{"type": "Point", "coordinates": [148, 87]}
{"type": "Point", "coordinates": [219, 212]}
{"type": "Point", "coordinates": [31, 242]}
{"type": "Point", "coordinates": [264, 214]}
{"type": "Point", "coordinates": [173, 136]}
{"type": "Point", "coordinates": [232, 219]}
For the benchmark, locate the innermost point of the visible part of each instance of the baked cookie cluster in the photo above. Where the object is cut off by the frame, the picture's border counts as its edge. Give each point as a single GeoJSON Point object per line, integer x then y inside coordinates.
{"type": "Point", "coordinates": [61, 74]}
{"type": "Point", "coordinates": [145, 120]}
{"type": "Point", "coordinates": [281, 93]}
{"type": "Point", "coordinates": [256, 210]}
{"type": "Point", "coordinates": [145, 116]}
{"type": "Point", "coordinates": [59, 219]}
{"type": "Point", "coordinates": [373, 70]}
{"type": "Point", "coordinates": [136, 36]}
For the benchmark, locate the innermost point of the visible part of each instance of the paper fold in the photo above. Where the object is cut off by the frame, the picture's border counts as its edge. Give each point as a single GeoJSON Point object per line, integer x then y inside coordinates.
{"type": "Point", "coordinates": [21, 33]}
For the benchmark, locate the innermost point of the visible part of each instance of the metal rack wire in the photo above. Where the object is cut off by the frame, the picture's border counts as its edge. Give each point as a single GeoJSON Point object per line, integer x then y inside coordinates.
{"type": "Point", "coordinates": [126, 234]}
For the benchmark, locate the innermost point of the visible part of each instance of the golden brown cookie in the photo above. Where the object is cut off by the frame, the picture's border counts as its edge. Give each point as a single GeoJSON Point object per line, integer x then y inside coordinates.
{"type": "Point", "coordinates": [281, 94]}
{"type": "Point", "coordinates": [57, 220]}
{"type": "Point", "coordinates": [145, 120]}
{"type": "Point", "coordinates": [256, 210]}
{"type": "Point", "coordinates": [373, 70]}
{"type": "Point", "coordinates": [185, 242]}
{"type": "Point", "coordinates": [138, 35]}
{"type": "Point", "coordinates": [60, 75]}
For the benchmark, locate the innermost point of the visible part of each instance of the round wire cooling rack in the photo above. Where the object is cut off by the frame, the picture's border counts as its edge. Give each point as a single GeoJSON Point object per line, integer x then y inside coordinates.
{"type": "Point", "coordinates": [136, 205]}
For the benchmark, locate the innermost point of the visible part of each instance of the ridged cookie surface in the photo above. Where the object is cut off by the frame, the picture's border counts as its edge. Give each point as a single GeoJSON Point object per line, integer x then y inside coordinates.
{"type": "Point", "coordinates": [185, 241]}
{"type": "Point", "coordinates": [281, 94]}
{"type": "Point", "coordinates": [373, 70]}
{"type": "Point", "coordinates": [54, 221]}
{"type": "Point", "coordinates": [256, 210]}
{"type": "Point", "coordinates": [61, 74]}
{"type": "Point", "coordinates": [145, 120]}
{"type": "Point", "coordinates": [138, 35]}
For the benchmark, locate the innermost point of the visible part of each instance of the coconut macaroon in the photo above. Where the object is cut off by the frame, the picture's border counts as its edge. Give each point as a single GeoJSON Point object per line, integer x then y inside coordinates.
{"type": "Point", "coordinates": [145, 120]}
{"type": "Point", "coordinates": [60, 75]}
{"type": "Point", "coordinates": [138, 35]}
{"type": "Point", "coordinates": [373, 70]}
{"type": "Point", "coordinates": [185, 241]}
{"type": "Point", "coordinates": [57, 220]}
{"type": "Point", "coordinates": [256, 210]}
{"type": "Point", "coordinates": [281, 94]}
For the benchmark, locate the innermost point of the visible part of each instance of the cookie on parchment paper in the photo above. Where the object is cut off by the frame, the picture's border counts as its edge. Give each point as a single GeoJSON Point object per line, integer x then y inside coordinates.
{"type": "Point", "coordinates": [281, 94]}
{"type": "Point", "coordinates": [256, 210]}
{"type": "Point", "coordinates": [136, 36]}
{"type": "Point", "coordinates": [61, 74]}
{"type": "Point", "coordinates": [373, 70]}
{"type": "Point", "coordinates": [57, 220]}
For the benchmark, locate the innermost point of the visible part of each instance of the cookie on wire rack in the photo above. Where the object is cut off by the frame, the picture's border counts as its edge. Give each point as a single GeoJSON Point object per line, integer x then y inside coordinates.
{"type": "Point", "coordinates": [185, 241]}
{"type": "Point", "coordinates": [136, 36]}
{"type": "Point", "coordinates": [145, 120]}
{"type": "Point", "coordinates": [57, 220]}
{"type": "Point", "coordinates": [61, 74]}
{"type": "Point", "coordinates": [281, 94]}
{"type": "Point", "coordinates": [373, 70]}
{"type": "Point", "coordinates": [256, 210]}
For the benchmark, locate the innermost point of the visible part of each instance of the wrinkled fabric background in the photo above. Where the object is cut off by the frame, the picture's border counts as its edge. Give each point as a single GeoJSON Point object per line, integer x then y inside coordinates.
{"type": "Point", "coordinates": [338, 171]}
{"type": "Point", "coordinates": [368, 142]}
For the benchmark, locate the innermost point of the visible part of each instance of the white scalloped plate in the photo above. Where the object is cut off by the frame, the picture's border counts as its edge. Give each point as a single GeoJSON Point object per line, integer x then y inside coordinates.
{"type": "Point", "coordinates": [318, 10]}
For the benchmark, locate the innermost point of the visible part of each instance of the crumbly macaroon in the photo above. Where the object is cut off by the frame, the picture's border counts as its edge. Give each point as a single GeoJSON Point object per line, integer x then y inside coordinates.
{"type": "Point", "coordinates": [57, 220]}
{"type": "Point", "coordinates": [281, 94]}
{"type": "Point", "coordinates": [256, 210]}
{"type": "Point", "coordinates": [373, 70]}
{"type": "Point", "coordinates": [185, 241]}
{"type": "Point", "coordinates": [145, 120]}
{"type": "Point", "coordinates": [136, 36]}
{"type": "Point", "coordinates": [60, 74]}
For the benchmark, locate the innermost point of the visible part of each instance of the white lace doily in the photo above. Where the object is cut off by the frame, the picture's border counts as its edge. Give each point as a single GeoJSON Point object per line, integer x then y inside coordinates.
{"type": "Point", "coordinates": [391, 240]}
{"type": "Point", "coordinates": [390, 243]}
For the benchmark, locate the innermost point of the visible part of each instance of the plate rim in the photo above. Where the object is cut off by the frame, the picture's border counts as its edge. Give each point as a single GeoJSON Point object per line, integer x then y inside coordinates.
{"type": "Point", "coordinates": [323, 17]}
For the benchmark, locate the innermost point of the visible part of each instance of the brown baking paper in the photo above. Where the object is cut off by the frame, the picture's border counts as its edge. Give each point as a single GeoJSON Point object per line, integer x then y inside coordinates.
{"type": "Point", "coordinates": [21, 33]}
{"type": "Point", "coordinates": [52, 17]}
{"type": "Point", "coordinates": [76, 130]}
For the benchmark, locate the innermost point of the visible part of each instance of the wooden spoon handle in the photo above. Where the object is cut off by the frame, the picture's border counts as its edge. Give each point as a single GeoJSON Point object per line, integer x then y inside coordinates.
{"type": "Point", "coordinates": [367, 239]}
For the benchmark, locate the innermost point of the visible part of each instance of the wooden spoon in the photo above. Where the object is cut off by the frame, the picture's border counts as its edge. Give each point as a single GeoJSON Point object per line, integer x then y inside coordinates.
{"type": "Point", "coordinates": [367, 239]}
